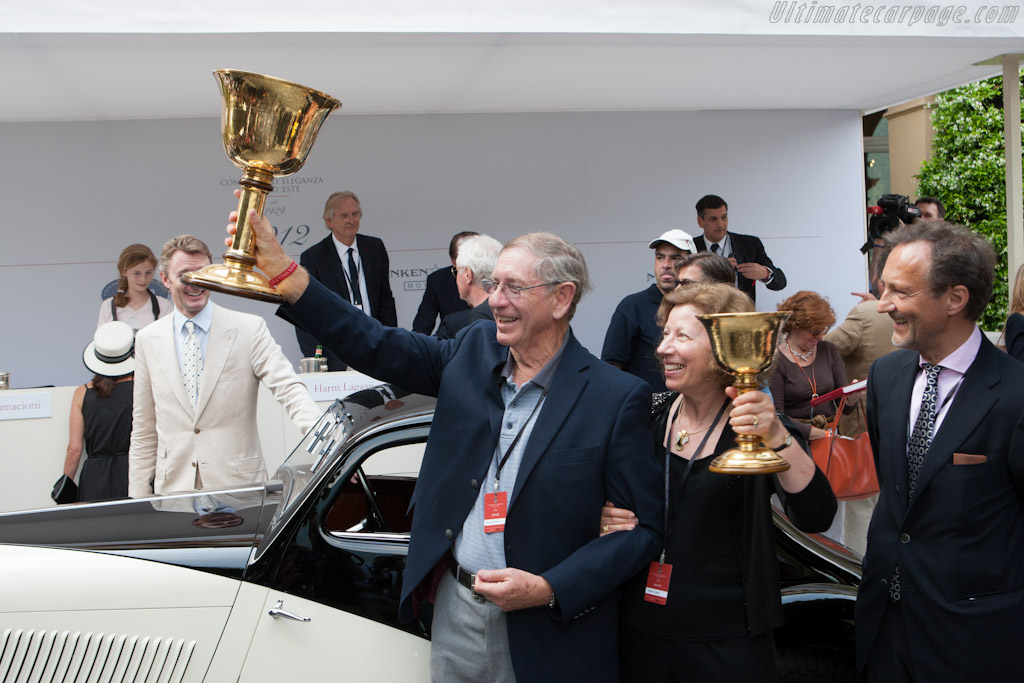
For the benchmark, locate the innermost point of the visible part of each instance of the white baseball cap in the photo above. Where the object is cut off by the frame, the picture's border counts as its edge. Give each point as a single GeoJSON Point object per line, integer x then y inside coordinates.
{"type": "Point", "coordinates": [680, 239]}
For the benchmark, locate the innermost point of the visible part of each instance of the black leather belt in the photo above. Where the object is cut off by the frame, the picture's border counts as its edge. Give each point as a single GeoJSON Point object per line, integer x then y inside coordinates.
{"type": "Point", "coordinates": [466, 579]}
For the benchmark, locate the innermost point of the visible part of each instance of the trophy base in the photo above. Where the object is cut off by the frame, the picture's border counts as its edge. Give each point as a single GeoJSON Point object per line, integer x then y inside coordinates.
{"type": "Point", "coordinates": [761, 460]}
{"type": "Point", "coordinates": [229, 279]}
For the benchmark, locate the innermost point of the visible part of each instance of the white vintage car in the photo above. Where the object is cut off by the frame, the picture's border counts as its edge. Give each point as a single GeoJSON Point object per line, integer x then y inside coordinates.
{"type": "Point", "coordinates": [295, 579]}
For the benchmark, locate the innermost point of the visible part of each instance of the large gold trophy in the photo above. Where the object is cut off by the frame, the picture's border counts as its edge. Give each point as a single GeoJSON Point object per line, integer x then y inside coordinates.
{"type": "Point", "coordinates": [269, 128]}
{"type": "Point", "coordinates": [744, 345]}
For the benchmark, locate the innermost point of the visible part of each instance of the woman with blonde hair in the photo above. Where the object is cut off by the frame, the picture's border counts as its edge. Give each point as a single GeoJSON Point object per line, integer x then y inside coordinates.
{"type": "Point", "coordinates": [1013, 332]}
{"type": "Point", "coordinates": [134, 303]}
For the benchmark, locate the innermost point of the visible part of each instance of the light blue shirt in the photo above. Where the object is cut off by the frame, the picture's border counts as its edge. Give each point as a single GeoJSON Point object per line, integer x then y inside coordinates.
{"type": "Point", "coordinates": [474, 549]}
{"type": "Point", "coordinates": [203, 319]}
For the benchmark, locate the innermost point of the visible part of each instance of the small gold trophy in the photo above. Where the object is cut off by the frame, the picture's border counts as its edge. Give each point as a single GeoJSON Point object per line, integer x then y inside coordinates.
{"type": "Point", "coordinates": [744, 345]}
{"type": "Point", "coordinates": [269, 128]}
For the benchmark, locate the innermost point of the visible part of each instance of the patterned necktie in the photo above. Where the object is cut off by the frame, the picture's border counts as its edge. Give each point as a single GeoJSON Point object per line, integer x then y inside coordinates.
{"type": "Point", "coordinates": [353, 279]}
{"type": "Point", "coordinates": [191, 364]}
{"type": "Point", "coordinates": [920, 441]}
{"type": "Point", "coordinates": [924, 427]}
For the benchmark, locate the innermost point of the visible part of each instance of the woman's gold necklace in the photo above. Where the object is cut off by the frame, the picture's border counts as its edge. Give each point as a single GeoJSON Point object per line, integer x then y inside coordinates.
{"type": "Point", "coordinates": [684, 436]}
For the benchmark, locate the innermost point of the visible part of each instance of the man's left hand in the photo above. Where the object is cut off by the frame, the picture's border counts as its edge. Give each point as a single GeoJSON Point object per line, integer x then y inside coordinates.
{"type": "Point", "coordinates": [512, 589]}
{"type": "Point", "coordinates": [753, 271]}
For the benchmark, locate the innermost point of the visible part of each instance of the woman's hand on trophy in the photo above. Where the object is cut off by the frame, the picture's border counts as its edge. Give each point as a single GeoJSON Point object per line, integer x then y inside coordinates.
{"type": "Point", "coordinates": [754, 413]}
{"type": "Point", "coordinates": [270, 256]}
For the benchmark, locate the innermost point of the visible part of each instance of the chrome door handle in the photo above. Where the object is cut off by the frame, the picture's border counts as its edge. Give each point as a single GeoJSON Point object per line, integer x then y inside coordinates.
{"type": "Point", "coordinates": [276, 612]}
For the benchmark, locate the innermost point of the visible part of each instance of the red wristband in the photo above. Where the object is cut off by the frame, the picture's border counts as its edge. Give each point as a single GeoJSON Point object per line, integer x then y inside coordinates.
{"type": "Point", "coordinates": [274, 281]}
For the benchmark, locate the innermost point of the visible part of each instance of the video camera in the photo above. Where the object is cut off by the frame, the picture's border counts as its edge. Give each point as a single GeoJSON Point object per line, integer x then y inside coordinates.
{"type": "Point", "coordinates": [892, 209]}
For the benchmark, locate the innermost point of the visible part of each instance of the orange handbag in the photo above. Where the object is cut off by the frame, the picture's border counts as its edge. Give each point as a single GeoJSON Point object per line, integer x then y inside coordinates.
{"type": "Point", "coordinates": [847, 462]}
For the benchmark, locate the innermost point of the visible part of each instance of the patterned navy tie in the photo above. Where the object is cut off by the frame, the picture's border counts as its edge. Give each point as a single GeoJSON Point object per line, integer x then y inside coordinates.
{"type": "Point", "coordinates": [920, 441]}
{"type": "Point", "coordinates": [924, 427]}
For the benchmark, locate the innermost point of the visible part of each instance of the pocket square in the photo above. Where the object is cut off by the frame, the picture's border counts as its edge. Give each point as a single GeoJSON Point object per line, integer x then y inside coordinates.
{"type": "Point", "coordinates": [969, 459]}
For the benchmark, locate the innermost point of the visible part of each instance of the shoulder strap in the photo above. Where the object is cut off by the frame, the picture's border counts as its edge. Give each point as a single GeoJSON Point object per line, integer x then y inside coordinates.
{"type": "Point", "coordinates": [113, 308]}
{"type": "Point", "coordinates": [154, 304]}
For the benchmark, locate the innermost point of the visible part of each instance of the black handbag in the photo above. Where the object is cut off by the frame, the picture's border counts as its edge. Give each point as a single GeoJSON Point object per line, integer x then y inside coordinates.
{"type": "Point", "coordinates": [65, 490]}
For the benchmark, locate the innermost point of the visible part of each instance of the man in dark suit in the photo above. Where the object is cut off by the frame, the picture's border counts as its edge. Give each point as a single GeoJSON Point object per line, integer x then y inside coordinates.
{"type": "Point", "coordinates": [354, 266]}
{"type": "Point", "coordinates": [441, 295]}
{"type": "Point", "coordinates": [531, 435]}
{"type": "Point", "coordinates": [745, 252]}
{"type": "Point", "coordinates": [942, 596]}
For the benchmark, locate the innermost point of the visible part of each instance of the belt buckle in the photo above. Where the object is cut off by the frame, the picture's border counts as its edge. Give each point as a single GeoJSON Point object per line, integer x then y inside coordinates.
{"type": "Point", "coordinates": [472, 588]}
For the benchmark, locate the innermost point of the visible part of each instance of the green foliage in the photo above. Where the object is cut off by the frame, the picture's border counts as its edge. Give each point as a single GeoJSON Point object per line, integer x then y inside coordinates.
{"type": "Point", "coordinates": [967, 172]}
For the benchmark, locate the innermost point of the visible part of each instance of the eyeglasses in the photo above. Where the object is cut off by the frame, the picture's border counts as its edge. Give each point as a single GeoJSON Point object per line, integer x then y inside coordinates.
{"type": "Point", "coordinates": [455, 271]}
{"type": "Point", "coordinates": [511, 291]}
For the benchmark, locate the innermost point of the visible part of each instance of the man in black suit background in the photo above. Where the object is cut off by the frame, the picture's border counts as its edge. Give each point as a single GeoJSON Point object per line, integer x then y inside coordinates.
{"type": "Point", "coordinates": [353, 265]}
{"type": "Point", "coordinates": [745, 252]}
{"type": "Point", "coordinates": [942, 594]}
{"type": "Point", "coordinates": [441, 295]}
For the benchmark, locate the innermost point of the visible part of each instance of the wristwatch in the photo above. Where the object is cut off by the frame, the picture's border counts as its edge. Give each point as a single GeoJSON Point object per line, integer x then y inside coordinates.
{"type": "Point", "coordinates": [785, 444]}
{"type": "Point", "coordinates": [552, 603]}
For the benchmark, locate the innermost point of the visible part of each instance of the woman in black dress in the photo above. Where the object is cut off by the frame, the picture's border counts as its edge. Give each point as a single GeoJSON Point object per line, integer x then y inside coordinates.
{"type": "Point", "coordinates": [704, 611]}
{"type": "Point", "coordinates": [101, 415]}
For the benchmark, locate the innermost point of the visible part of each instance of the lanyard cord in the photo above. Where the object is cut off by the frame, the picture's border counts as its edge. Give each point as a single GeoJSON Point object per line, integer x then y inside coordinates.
{"type": "Point", "coordinates": [686, 472]}
{"type": "Point", "coordinates": [504, 459]}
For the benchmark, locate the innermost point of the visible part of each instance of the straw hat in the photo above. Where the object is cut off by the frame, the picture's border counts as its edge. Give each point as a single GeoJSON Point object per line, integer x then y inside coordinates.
{"type": "Point", "coordinates": [111, 353]}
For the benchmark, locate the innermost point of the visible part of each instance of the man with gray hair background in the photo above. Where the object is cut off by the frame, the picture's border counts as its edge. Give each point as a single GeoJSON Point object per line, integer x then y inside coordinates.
{"type": "Point", "coordinates": [474, 263]}
{"type": "Point", "coordinates": [353, 265]}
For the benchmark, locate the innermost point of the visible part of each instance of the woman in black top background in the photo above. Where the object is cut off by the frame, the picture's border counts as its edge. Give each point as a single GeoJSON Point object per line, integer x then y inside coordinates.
{"type": "Point", "coordinates": [101, 415]}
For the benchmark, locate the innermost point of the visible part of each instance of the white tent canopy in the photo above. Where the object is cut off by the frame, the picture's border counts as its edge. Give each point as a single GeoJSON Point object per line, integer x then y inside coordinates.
{"type": "Point", "coordinates": [127, 60]}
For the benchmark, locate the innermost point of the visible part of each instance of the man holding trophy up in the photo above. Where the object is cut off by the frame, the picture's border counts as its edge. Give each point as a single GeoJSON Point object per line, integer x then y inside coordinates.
{"type": "Point", "coordinates": [530, 432]}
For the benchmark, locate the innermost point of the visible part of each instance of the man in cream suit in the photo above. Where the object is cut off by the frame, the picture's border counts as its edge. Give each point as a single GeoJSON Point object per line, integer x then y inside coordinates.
{"type": "Point", "coordinates": [196, 380]}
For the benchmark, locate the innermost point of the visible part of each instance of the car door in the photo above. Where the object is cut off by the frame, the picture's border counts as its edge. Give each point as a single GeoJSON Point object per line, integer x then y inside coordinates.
{"type": "Point", "coordinates": [334, 574]}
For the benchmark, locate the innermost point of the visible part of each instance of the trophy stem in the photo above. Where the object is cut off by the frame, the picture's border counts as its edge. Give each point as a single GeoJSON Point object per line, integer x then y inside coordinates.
{"type": "Point", "coordinates": [236, 274]}
{"type": "Point", "coordinates": [750, 455]}
{"type": "Point", "coordinates": [256, 185]}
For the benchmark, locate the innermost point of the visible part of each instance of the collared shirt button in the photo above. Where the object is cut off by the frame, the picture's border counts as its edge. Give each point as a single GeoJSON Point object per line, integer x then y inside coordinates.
{"type": "Point", "coordinates": [904, 538]}
{"type": "Point", "coordinates": [508, 425]}
{"type": "Point", "coordinates": [448, 534]}
{"type": "Point", "coordinates": [193, 464]}
{"type": "Point", "coordinates": [474, 483]}
{"type": "Point", "coordinates": [196, 430]}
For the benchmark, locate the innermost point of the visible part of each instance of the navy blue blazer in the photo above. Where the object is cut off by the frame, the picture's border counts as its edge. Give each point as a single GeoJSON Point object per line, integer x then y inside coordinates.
{"type": "Point", "coordinates": [440, 297]}
{"type": "Point", "coordinates": [591, 442]}
{"type": "Point", "coordinates": [749, 249]}
{"type": "Point", "coordinates": [324, 264]}
{"type": "Point", "coordinates": [960, 542]}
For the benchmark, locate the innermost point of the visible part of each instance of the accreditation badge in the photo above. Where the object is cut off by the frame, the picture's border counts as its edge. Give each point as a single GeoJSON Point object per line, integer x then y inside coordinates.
{"type": "Point", "coordinates": [495, 511]}
{"type": "Point", "coordinates": [658, 576]}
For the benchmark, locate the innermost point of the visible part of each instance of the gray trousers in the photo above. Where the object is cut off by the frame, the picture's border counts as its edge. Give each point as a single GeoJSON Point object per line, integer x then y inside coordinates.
{"type": "Point", "coordinates": [469, 638]}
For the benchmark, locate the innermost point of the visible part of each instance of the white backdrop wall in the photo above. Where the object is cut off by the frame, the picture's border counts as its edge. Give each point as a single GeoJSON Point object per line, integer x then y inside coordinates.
{"type": "Point", "coordinates": [74, 194]}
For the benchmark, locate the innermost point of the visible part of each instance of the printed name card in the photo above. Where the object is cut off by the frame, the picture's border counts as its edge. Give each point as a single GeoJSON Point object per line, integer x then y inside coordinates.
{"type": "Point", "coordinates": [17, 405]}
{"type": "Point", "coordinates": [327, 386]}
